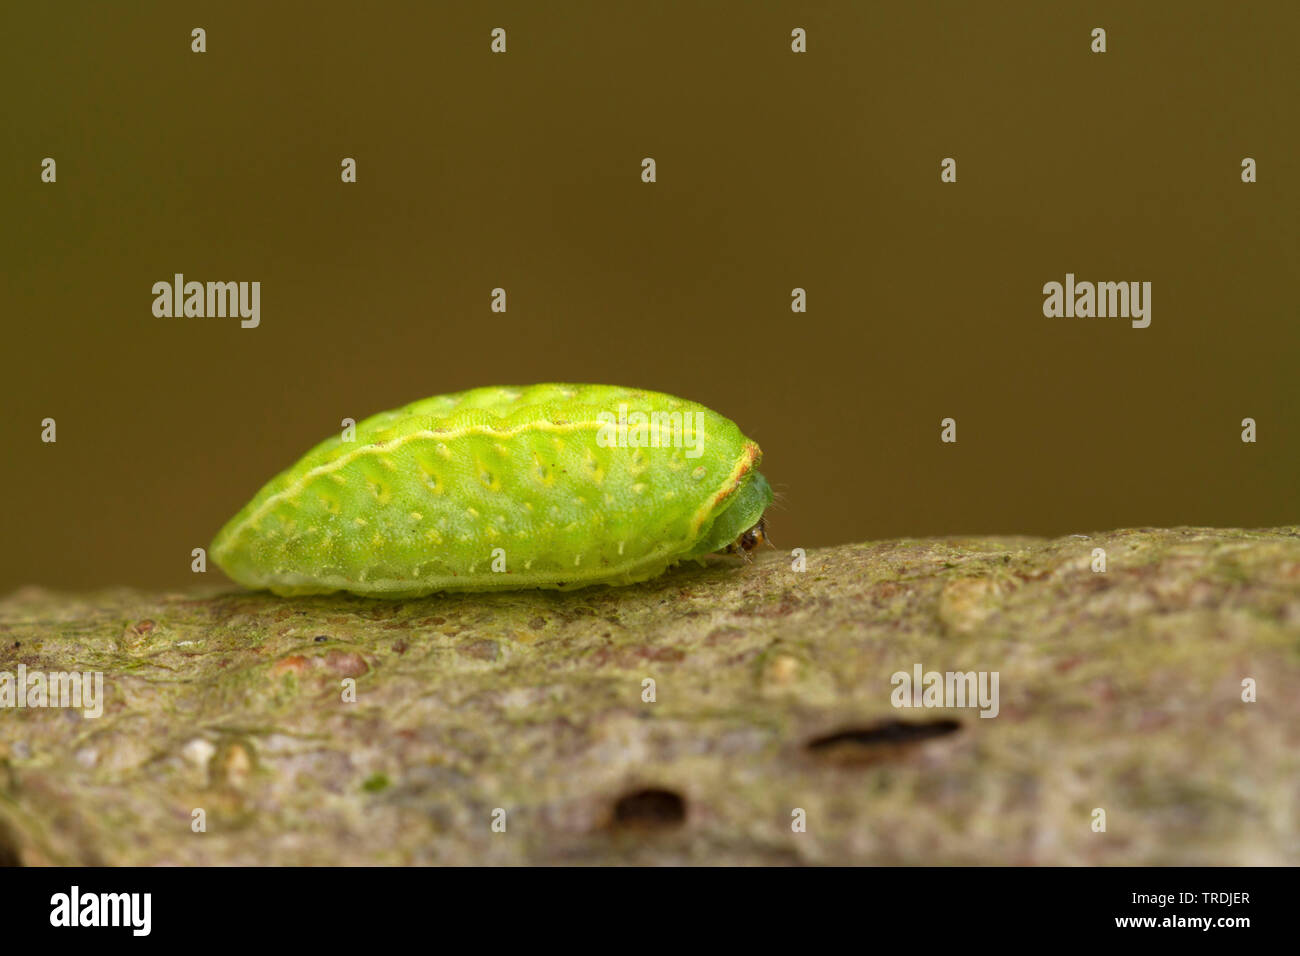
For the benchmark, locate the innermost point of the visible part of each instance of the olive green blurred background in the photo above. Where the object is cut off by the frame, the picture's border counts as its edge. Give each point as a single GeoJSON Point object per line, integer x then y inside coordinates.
{"type": "Point", "coordinates": [775, 170]}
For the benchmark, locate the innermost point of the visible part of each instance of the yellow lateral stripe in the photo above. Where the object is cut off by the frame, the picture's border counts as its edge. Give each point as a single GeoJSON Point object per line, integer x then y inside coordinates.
{"type": "Point", "coordinates": [742, 465]}
{"type": "Point", "coordinates": [373, 448]}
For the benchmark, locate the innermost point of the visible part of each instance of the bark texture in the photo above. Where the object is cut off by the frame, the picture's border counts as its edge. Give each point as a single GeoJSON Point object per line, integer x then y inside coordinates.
{"type": "Point", "coordinates": [1120, 691]}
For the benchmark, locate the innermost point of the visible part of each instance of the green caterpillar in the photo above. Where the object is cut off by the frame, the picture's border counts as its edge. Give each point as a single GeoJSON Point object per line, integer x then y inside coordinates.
{"type": "Point", "coordinates": [542, 486]}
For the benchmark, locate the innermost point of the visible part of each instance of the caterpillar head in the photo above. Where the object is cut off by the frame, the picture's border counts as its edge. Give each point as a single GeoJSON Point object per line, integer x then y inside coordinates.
{"type": "Point", "coordinates": [749, 540]}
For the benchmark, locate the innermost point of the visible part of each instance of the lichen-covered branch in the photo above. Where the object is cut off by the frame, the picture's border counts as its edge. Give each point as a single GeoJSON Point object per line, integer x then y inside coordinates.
{"type": "Point", "coordinates": [1119, 690]}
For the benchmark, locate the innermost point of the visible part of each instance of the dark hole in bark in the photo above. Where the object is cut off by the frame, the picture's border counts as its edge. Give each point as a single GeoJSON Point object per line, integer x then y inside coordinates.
{"type": "Point", "coordinates": [651, 807]}
{"type": "Point", "coordinates": [887, 732]}
{"type": "Point", "coordinates": [889, 738]}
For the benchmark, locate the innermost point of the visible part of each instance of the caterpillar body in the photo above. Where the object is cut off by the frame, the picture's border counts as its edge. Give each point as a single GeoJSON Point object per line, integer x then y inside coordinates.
{"type": "Point", "coordinates": [541, 486]}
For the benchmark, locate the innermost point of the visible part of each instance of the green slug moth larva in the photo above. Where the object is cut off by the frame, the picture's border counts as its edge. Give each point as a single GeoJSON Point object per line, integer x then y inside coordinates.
{"type": "Point", "coordinates": [541, 486]}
